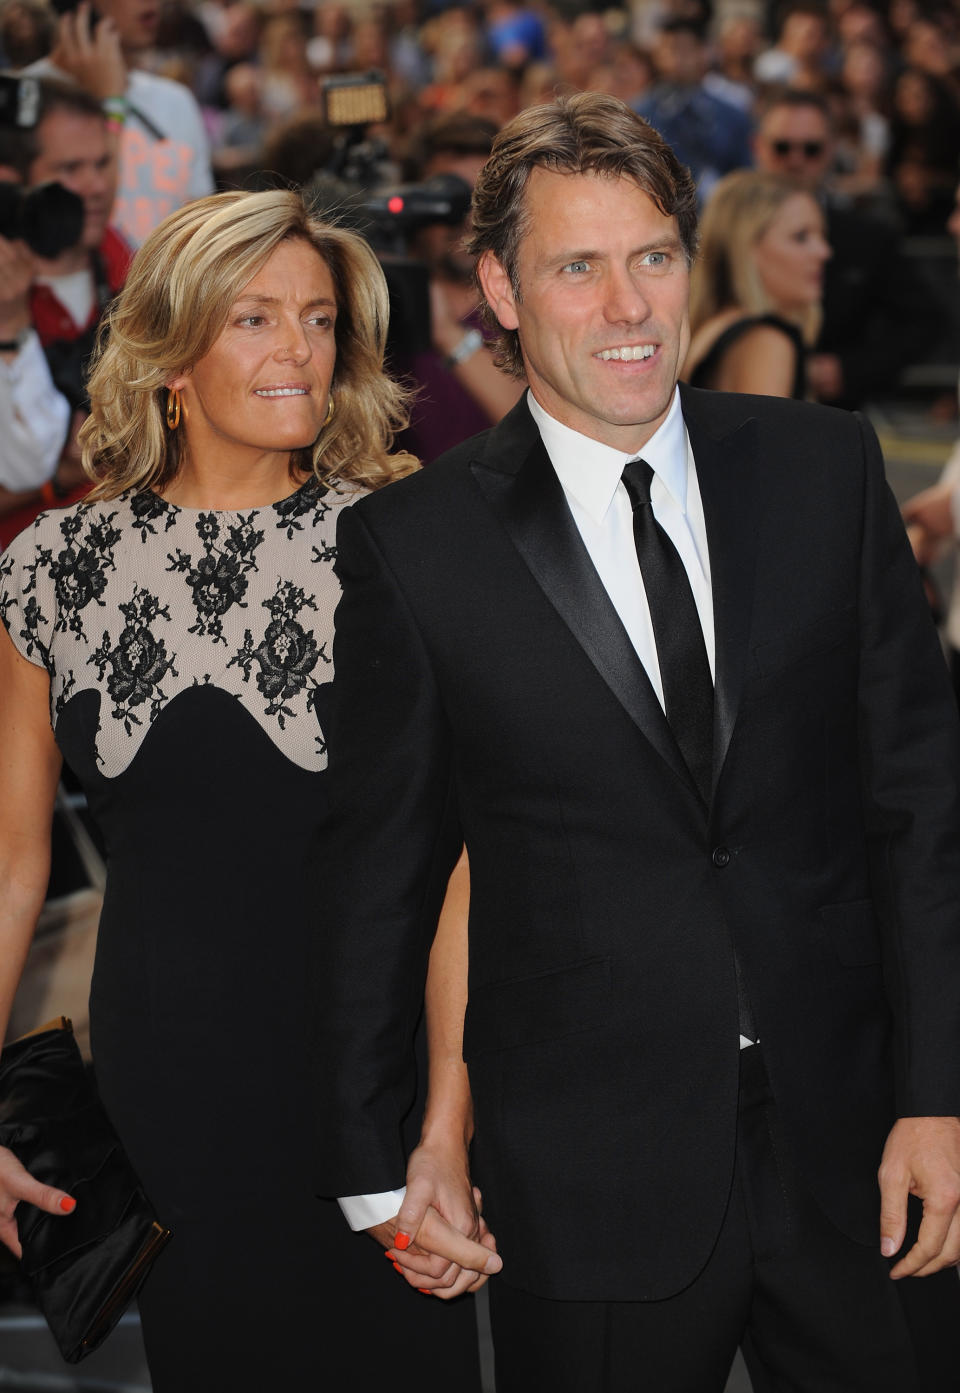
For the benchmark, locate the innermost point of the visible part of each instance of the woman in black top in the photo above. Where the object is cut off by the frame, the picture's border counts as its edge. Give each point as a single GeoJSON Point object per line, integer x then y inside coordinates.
{"type": "Point", "coordinates": [756, 288]}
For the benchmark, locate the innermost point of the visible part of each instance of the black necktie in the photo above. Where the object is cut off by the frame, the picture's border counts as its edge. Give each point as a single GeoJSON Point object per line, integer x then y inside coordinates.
{"type": "Point", "coordinates": [682, 655]}
{"type": "Point", "coordinates": [681, 652]}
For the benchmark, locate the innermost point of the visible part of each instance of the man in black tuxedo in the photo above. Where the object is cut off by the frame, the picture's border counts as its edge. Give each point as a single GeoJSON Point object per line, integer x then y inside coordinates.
{"type": "Point", "coordinates": [661, 660]}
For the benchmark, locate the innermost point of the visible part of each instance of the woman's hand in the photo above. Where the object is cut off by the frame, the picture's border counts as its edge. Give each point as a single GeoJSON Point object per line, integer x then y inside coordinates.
{"type": "Point", "coordinates": [17, 1186]}
{"type": "Point", "coordinates": [439, 1241]}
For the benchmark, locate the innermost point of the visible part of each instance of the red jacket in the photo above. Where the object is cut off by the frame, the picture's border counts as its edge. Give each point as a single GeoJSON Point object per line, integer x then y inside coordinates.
{"type": "Point", "coordinates": [52, 320]}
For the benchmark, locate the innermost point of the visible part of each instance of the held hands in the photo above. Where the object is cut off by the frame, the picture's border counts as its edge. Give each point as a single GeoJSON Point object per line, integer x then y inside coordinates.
{"type": "Point", "coordinates": [922, 1157]}
{"type": "Point", "coordinates": [16, 1185]}
{"type": "Point", "coordinates": [439, 1241]}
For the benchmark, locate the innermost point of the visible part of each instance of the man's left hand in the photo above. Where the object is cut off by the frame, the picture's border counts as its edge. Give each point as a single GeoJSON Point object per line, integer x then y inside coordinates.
{"type": "Point", "coordinates": [921, 1157]}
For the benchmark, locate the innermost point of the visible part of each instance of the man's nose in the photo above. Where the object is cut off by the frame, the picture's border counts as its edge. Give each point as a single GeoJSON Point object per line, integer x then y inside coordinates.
{"type": "Point", "coordinates": [625, 300]}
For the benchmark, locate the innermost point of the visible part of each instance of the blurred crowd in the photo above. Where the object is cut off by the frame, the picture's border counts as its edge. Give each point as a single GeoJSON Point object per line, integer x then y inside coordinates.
{"type": "Point", "coordinates": [855, 101]}
{"type": "Point", "coordinates": [888, 71]}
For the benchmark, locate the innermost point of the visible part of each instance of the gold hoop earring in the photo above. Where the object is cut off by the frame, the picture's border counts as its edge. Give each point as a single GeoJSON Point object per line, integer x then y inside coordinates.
{"type": "Point", "coordinates": [173, 408]}
{"type": "Point", "coordinates": [331, 406]}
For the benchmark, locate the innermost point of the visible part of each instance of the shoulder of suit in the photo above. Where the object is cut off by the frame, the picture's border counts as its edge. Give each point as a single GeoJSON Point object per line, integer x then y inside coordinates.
{"type": "Point", "coordinates": [429, 484]}
{"type": "Point", "coordinates": [728, 410]}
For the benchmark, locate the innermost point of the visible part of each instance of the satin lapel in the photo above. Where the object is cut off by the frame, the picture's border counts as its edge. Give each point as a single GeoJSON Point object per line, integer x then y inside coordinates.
{"type": "Point", "coordinates": [521, 487]}
{"type": "Point", "coordinates": [727, 474]}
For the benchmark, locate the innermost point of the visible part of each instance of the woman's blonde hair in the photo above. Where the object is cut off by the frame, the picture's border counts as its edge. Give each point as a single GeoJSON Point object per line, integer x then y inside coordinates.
{"type": "Point", "coordinates": [174, 305]}
{"type": "Point", "coordinates": [740, 209]}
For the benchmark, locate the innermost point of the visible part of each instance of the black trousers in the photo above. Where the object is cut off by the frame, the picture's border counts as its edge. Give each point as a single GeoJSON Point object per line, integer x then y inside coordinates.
{"type": "Point", "coordinates": [813, 1311]}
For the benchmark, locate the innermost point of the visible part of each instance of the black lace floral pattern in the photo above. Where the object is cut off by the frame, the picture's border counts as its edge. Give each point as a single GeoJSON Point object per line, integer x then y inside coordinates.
{"type": "Point", "coordinates": [219, 578]}
{"type": "Point", "coordinates": [307, 502]}
{"type": "Point", "coordinates": [137, 661]}
{"type": "Point", "coordinates": [80, 568]}
{"type": "Point", "coordinates": [183, 599]}
{"type": "Point", "coordinates": [24, 621]}
{"type": "Point", "coordinates": [148, 508]}
{"type": "Point", "coordinates": [286, 655]}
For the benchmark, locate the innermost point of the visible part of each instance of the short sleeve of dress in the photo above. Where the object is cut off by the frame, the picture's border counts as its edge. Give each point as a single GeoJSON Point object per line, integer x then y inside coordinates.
{"type": "Point", "coordinates": [28, 596]}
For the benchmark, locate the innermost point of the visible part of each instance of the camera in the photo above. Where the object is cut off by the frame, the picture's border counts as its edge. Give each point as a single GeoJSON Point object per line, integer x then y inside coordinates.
{"type": "Point", "coordinates": [49, 218]}
{"type": "Point", "coordinates": [387, 216]}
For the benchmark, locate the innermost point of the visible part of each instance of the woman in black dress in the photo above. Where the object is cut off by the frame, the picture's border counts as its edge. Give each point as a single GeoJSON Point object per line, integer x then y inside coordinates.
{"type": "Point", "coordinates": [756, 287]}
{"type": "Point", "coordinates": [171, 638]}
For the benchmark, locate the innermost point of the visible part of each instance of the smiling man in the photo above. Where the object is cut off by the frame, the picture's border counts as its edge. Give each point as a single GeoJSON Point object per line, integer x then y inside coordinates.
{"type": "Point", "coordinates": [661, 660]}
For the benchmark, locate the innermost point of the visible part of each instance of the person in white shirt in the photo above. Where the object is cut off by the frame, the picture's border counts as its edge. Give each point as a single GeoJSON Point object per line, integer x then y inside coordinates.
{"type": "Point", "coordinates": [35, 415]}
{"type": "Point", "coordinates": [164, 152]}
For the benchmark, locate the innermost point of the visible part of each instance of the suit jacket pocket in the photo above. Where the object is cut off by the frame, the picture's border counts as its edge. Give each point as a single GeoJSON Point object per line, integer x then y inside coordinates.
{"type": "Point", "coordinates": [851, 929]}
{"type": "Point", "coordinates": [805, 642]}
{"type": "Point", "coordinates": [526, 1010]}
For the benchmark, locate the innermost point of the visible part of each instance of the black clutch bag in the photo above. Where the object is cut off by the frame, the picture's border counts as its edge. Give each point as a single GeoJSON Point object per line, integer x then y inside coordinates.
{"type": "Point", "coordinates": [84, 1268]}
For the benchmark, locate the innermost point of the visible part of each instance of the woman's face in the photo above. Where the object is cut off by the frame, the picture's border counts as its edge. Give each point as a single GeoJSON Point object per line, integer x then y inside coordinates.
{"type": "Point", "coordinates": [790, 254]}
{"type": "Point", "coordinates": [263, 388]}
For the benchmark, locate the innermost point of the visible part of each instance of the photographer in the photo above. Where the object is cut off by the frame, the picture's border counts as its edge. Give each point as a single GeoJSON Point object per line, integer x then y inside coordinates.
{"type": "Point", "coordinates": [164, 153]}
{"type": "Point", "coordinates": [68, 279]}
{"type": "Point", "coordinates": [461, 391]}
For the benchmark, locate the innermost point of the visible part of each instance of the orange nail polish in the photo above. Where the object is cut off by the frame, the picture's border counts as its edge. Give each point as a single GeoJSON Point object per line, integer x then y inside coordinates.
{"type": "Point", "coordinates": [68, 1205]}
{"type": "Point", "coordinates": [397, 1268]}
{"type": "Point", "coordinates": [402, 1241]}
{"type": "Point", "coordinates": [424, 1292]}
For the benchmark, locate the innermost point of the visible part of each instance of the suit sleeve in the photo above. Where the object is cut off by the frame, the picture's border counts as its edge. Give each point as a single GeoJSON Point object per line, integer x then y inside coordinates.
{"type": "Point", "coordinates": [390, 843]}
{"type": "Point", "coordinates": [911, 765]}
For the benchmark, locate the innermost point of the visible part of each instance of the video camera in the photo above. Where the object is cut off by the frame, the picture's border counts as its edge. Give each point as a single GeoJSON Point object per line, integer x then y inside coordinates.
{"type": "Point", "coordinates": [389, 217]}
{"type": "Point", "coordinates": [49, 217]}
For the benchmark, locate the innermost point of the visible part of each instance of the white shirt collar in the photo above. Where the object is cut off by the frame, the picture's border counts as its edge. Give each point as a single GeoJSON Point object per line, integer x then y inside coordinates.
{"type": "Point", "coordinates": [590, 471]}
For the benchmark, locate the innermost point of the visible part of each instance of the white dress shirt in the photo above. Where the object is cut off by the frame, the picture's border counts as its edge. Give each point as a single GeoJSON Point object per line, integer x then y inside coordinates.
{"type": "Point", "coordinates": [590, 476]}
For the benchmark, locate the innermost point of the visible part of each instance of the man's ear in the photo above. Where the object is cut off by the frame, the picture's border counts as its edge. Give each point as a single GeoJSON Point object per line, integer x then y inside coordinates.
{"type": "Point", "coordinates": [497, 290]}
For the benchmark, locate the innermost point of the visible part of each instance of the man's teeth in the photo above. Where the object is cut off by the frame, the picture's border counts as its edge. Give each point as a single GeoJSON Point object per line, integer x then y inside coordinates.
{"type": "Point", "coordinates": [282, 392]}
{"type": "Point", "coordinates": [627, 355]}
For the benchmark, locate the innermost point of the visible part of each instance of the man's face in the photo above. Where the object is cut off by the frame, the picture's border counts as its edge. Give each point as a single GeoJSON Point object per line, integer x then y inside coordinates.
{"type": "Point", "coordinates": [74, 151]}
{"type": "Point", "coordinates": [794, 140]}
{"type": "Point", "coordinates": [602, 307]}
{"type": "Point", "coordinates": [137, 21]}
{"type": "Point", "coordinates": [681, 58]}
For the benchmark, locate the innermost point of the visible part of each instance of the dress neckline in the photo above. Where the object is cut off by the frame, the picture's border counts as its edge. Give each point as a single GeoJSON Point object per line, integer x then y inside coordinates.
{"type": "Point", "coordinates": [310, 483]}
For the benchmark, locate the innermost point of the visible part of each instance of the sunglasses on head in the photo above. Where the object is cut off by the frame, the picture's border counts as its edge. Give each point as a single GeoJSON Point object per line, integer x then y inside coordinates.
{"type": "Point", "coordinates": [810, 149]}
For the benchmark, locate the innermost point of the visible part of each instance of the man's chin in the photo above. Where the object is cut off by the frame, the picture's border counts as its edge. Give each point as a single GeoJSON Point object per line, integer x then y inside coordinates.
{"type": "Point", "coordinates": [93, 235]}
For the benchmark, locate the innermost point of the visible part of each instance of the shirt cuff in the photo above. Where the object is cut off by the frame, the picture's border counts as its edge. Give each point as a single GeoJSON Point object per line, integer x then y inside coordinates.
{"type": "Point", "coordinates": [365, 1211]}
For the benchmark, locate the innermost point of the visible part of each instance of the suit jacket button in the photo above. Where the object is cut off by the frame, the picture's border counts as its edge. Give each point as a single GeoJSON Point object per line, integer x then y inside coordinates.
{"type": "Point", "coordinates": [721, 857]}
